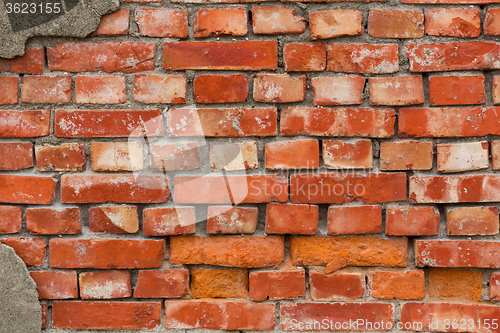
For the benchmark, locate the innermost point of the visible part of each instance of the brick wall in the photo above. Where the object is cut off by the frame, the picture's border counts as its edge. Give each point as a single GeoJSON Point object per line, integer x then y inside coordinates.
{"type": "Point", "coordinates": [260, 166]}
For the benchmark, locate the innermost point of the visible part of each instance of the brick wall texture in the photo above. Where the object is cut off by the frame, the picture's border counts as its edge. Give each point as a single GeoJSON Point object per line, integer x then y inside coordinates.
{"type": "Point", "coordinates": [243, 165]}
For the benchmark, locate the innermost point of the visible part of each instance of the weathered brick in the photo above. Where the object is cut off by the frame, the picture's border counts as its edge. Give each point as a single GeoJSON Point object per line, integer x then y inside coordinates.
{"type": "Point", "coordinates": [412, 221]}
{"type": "Point", "coordinates": [100, 89]}
{"type": "Point", "coordinates": [495, 155]}
{"type": "Point", "coordinates": [162, 22]}
{"type": "Point", "coordinates": [292, 219]}
{"type": "Point", "coordinates": [339, 286]}
{"type": "Point", "coordinates": [168, 221]}
{"type": "Point", "coordinates": [274, 20]}
{"type": "Point", "coordinates": [456, 90]}
{"type": "Point", "coordinates": [109, 57]}
{"type": "Point", "coordinates": [32, 62]}
{"type": "Point", "coordinates": [240, 55]}
{"type": "Point", "coordinates": [106, 253]}
{"type": "Point", "coordinates": [279, 88]}
{"type": "Point", "coordinates": [46, 221]}
{"type": "Point", "coordinates": [229, 251]}
{"type": "Point", "coordinates": [457, 157]}
{"type": "Point", "coordinates": [397, 285]}
{"type": "Point", "coordinates": [495, 286]}
{"type": "Point", "coordinates": [354, 220]}
{"type": "Point", "coordinates": [341, 188]}
{"type": "Point", "coordinates": [232, 220]}
{"type": "Point", "coordinates": [8, 87]}
{"type": "Point", "coordinates": [44, 315]}
{"type": "Point", "coordinates": [171, 157]}
{"type": "Point", "coordinates": [12, 219]}
{"type": "Point", "coordinates": [345, 155]}
{"type": "Point", "coordinates": [453, 22]}
{"type": "Point", "coordinates": [160, 88]}
{"type": "Point", "coordinates": [337, 90]}
{"type": "Point", "coordinates": [113, 24]}
{"type": "Point", "coordinates": [55, 285]}
{"type": "Point", "coordinates": [231, 122]}
{"type": "Point", "coordinates": [114, 219]}
{"type": "Point", "coordinates": [27, 189]}
{"type": "Point", "coordinates": [344, 122]}
{"type": "Point", "coordinates": [234, 156]}
{"type": "Point", "coordinates": [66, 157]}
{"type": "Point", "coordinates": [491, 23]}
{"type": "Point", "coordinates": [304, 57]}
{"type": "Point", "coordinates": [168, 283]}
{"type": "Point", "coordinates": [105, 315]}
{"type": "Point", "coordinates": [363, 58]}
{"type": "Point", "coordinates": [219, 315]}
{"type": "Point", "coordinates": [277, 285]}
{"type": "Point", "coordinates": [335, 23]}
{"type": "Point", "coordinates": [401, 90]}
{"type": "Point", "coordinates": [384, 23]}
{"type": "Point", "coordinates": [452, 283]}
{"type": "Point", "coordinates": [220, 22]}
{"type": "Point", "coordinates": [31, 250]}
{"type": "Point", "coordinates": [116, 156]}
{"type": "Point", "coordinates": [219, 283]}
{"type": "Point", "coordinates": [220, 88]}
{"type": "Point", "coordinates": [472, 221]}
{"type": "Point", "coordinates": [24, 124]}
{"type": "Point", "coordinates": [46, 89]}
{"type": "Point", "coordinates": [287, 155]}
{"type": "Point", "coordinates": [16, 155]}
{"type": "Point", "coordinates": [104, 284]}
{"type": "Point", "coordinates": [495, 89]}
{"type": "Point", "coordinates": [406, 155]}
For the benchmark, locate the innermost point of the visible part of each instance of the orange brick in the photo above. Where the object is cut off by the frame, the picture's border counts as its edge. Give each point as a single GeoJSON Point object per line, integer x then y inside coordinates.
{"type": "Point", "coordinates": [491, 24]}
{"type": "Point", "coordinates": [45, 221]}
{"type": "Point", "coordinates": [220, 88]}
{"type": "Point", "coordinates": [55, 285]}
{"type": "Point", "coordinates": [104, 284]}
{"type": "Point", "coordinates": [496, 89]}
{"type": "Point", "coordinates": [472, 221]}
{"type": "Point", "coordinates": [345, 155]}
{"type": "Point", "coordinates": [354, 220]}
{"type": "Point", "coordinates": [12, 219]}
{"type": "Point", "coordinates": [363, 58]}
{"type": "Point", "coordinates": [219, 283]}
{"type": "Point", "coordinates": [457, 157]}
{"type": "Point", "coordinates": [402, 90]}
{"type": "Point", "coordinates": [453, 22]}
{"type": "Point", "coordinates": [495, 286]}
{"type": "Point", "coordinates": [113, 24]}
{"type": "Point", "coordinates": [412, 221]}
{"type": "Point", "coordinates": [279, 88]}
{"type": "Point", "coordinates": [114, 219]}
{"type": "Point", "coordinates": [234, 156]}
{"type": "Point", "coordinates": [100, 89]}
{"type": "Point", "coordinates": [46, 89]}
{"type": "Point", "coordinates": [456, 90]}
{"type": "Point", "coordinates": [304, 57]}
{"type": "Point", "coordinates": [277, 285]}
{"type": "Point", "coordinates": [185, 156]}
{"type": "Point", "coordinates": [24, 124]}
{"type": "Point", "coordinates": [32, 62]}
{"type": "Point", "coordinates": [383, 23]}
{"type": "Point", "coordinates": [339, 286]}
{"type": "Point", "coordinates": [168, 283]}
{"type": "Point", "coordinates": [335, 23]}
{"type": "Point", "coordinates": [8, 87]}
{"type": "Point", "coordinates": [116, 156]}
{"type": "Point", "coordinates": [292, 219]}
{"type": "Point", "coordinates": [160, 88]}
{"type": "Point", "coordinates": [273, 20]}
{"type": "Point", "coordinates": [168, 221]}
{"type": "Point", "coordinates": [452, 283]}
{"type": "Point", "coordinates": [16, 155]}
{"type": "Point", "coordinates": [220, 22]}
{"type": "Point", "coordinates": [162, 22]}
{"type": "Point", "coordinates": [397, 285]}
{"type": "Point", "coordinates": [337, 90]}
{"type": "Point", "coordinates": [286, 155]}
{"type": "Point", "coordinates": [232, 220]}
{"type": "Point", "coordinates": [406, 155]}
{"type": "Point", "coordinates": [31, 250]}
{"type": "Point", "coordinates": [66, 157]}
{"type": "Point", "coordinates": [27, 189]}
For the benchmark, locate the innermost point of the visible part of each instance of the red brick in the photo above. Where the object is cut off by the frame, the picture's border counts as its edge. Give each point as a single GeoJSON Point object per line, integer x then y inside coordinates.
{"type": "Point", "coordinates": [116, 156]}
{"type": "Point", "coordinates": [231, 122]}
{"type": "Point", "coordinates": [277, 285]}
{"type": "Point", "coordinates": [16, 155]}
{"type": "Point", "coordinates": [114, 219]}
{"type": "Point", "coordinates": [437, 57]}
{"type": "Point", "coordinates": [185, 156]}
{"type": "Point", "coordinates": [100, 89]}
{"type": "Point", "coordinates": [66, 157]}
{"type": "Point", "coordinates": [275, 20]}
{"type": "Point", "coordinates": [8, 87]}
{"type": "Point", "coordinates": [343, 122]}
{"type": "Point", "coordinates": [162, 22]}
{"type": "Point", "coordinates": [32, 62]}
{"type": "Point", "coordinates": [309, 316]}
{"type": "Point", "coordinates": [298, 154]}
{"type": "Point", "coordinates": [46, 221]}
{"type": "Point", "coordinates": [232, 220]}
{"type": "Point", "coordinates": [449, 122]}
{"type": "Point", "coordinates": [279, 88]}
{"type": "Point", "coordinates": [108, 123]}
{"type": "Point", "coordinates": [228, 251]}
{"type": "Point", "coordinates": [451, 1]}
{"type": "Point", "coordinates": [339, 286]}
{"type": "Point", "coordinates": [495, 155]}
{"type": "Point", "coordinates": [55, 285]}
{"type": "Point", "coordinates": [292, 219]}
{"type": "Point", "coordinates": [44, 315]}
{"type": "Point", "coordinates": [46, 89]}
{"type": "Point", "coordinates": [337, 90]}
{"type": "Point", "coordinates": [240, 55]}
{"type": "Point", "coordinates": [459, 253]}
{"type": "Point", "coordinates": [452, 283]}
{"type": "Point", "coordinates": [31, 250]}
{"type": "Point", "coordinates": [234, 156]}
{"type": "Point", "coordinates": [220, 22]}
{"type": "Point", "coordinates": [412, 221]}
{"type": "Point", "coordinates": [168, 221]}
{"type": "Point", "coordinates": [160, 88]}
{"type": "Point", "coordinates": [27, 189]}
{"type": "Point", "coordinates": [354, 220]}
{"type": "Point", "coordinates": [472, 221]}
{"type": "Point", "coordinates": [456, 90]}
{"type": "Point", "coordinates": [453, 22]}
{"type": "Point", "coordinates": [464, 156]}
{"type": "Point", "coordinates": [105, 315]}
{"type": "Point", "coordinates": [113, 188]}
{"type": "Point", "coordinates": [24, 124]}
{"type": "Point", "coordinates": [495, 89]}
{"type": "Point", "coordinates": [363, 58]}
{"type": "Point", "coordinates": [341, 188]}
{"type": "Point", "coordinates": [109, 57]}
{"type": "Point", "coordinates": [304, 57]}
{"type": "Point", "coordinates": [11, 220]}
{"type": "Point", "coordinates": [495, 286]}
{"type": "Point", "coordinates": [113, 24]}
{"type": "Point", "coordinates": [219, 315]}
{"type": "Point", "coordinates": [397, 284]}
{"type": "Point", "coordinates": [401, 90]}
{"type": "Point", "coordinates": [219, 283]}
{"type": "Point", "coordinates": [344, 155]}
{"type": "Point", "coordinates": [220, 88]}
{"type": "Point", "coordinates": [406, 155]}
{"type": "Point", "coordinates": [168, 283]}
{"type": "Point", "coordinates": [104, 284]}
{"type": "Point", "coordinates": [337, 252]}
{"type": "Point", "coordinates": [106, 253]}
{"type": "Point", "coordinates": [385, 23]}
{"type": "Point", "coordinates": [491, 24]}
{"type": "Point", "coordinates": [335, 23]}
